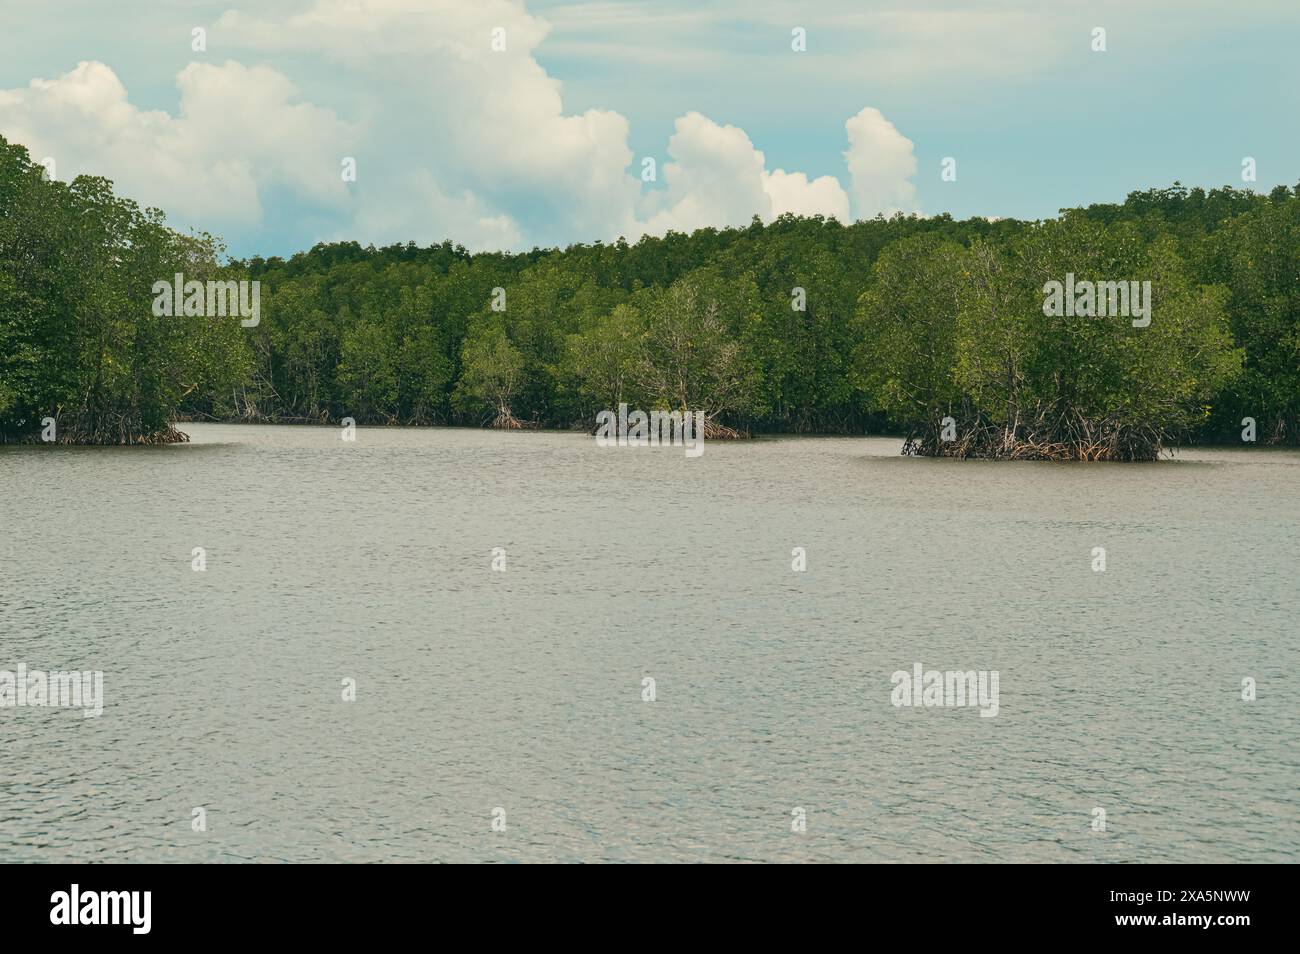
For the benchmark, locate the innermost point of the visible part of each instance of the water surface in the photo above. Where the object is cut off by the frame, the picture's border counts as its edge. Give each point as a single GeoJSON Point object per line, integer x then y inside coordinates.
{"type": "Point", "coordinates": [522, 689]}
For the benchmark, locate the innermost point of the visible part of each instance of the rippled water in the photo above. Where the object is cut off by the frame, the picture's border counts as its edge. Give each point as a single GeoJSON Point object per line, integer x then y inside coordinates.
{"type": "Point", "coordinates": [522, 690]}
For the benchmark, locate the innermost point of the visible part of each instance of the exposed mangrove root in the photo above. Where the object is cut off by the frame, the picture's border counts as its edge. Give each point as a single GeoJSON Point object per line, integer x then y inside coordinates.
{"type": "Point", "coordinates": [166, 435]}
{"type": "Point", "coordinates": [101, 437]}
{"type": "Point", "coordinates": [505, 421]}
{"type": "Point", "coordinates": [1076, 439]}
{"type": "Point", "coordinates": [713, 431]}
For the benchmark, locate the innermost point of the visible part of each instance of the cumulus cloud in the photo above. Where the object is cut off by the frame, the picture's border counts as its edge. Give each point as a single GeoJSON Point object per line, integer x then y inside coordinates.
{"type": "Point", "coordinates": [454, 136]}
{"type": "Point", "coordinates": [427, 214]}
{"type": "Point", "coordinates": [881, 165]}
{"type": "Point", "coordinates": [474, 114]}
{"type": "Point", "coordinates": [717, 178]}
{"type": "Point", "coordinates": [239, 132]}
{"type": "Point", "coordinates": [793, 192]}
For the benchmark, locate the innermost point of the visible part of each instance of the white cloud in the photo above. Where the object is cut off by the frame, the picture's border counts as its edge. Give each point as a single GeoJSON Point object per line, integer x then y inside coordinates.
{"type": "Point", "coordinates": [717, 178]}
{"type": "Point", "coordinates": [429, 215]}
{"type": "Point", "coordinates": [881, 164]}
{"type": "Point", "coordinates": [439, 97]}
{"type": "Point", "coordinates": [792, 192]}
{"type": "Point", "coordinates": [237, 134]}
{"type": "Point", "coordinates": [451, 138]}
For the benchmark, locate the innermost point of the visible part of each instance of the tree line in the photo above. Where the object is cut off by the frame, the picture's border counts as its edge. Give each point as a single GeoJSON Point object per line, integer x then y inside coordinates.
{"type": "Point", "coordinates": [82, 357]}
{"type": "Point", "coordinates": [929, 327]}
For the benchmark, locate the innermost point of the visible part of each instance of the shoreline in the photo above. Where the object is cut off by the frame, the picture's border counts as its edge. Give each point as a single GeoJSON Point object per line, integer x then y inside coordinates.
{"type": "Point", "coordinates": [1166, 454]}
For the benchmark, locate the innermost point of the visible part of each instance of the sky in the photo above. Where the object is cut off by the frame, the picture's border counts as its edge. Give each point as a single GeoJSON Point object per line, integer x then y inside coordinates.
{"type": "Point", "coordinates": [508, 124]}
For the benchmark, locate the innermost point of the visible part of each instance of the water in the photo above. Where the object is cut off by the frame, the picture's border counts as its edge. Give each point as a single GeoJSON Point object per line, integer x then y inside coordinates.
{"type": "Point", "coordinates": [522, 690]}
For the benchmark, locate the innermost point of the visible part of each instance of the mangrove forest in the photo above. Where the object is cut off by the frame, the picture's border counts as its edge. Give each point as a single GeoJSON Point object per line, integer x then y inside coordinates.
{"type": "Point", "coordinates": [1109, 332]}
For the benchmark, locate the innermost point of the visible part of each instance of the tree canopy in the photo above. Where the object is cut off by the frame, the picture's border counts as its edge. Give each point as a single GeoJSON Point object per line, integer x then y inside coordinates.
{"type": "Point", "coordinates": [79, 342]}
{"type": "Point", "coordinates": [800, 325]}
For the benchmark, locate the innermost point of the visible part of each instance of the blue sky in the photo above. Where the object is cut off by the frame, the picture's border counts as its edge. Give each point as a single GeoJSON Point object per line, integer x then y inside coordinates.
{"type": "Point", "coordinates": [542, 142]}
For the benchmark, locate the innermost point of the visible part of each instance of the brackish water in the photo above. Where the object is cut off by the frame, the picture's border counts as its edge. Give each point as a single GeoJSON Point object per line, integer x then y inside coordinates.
{"type": "Point", "coordinates": [522, 689]}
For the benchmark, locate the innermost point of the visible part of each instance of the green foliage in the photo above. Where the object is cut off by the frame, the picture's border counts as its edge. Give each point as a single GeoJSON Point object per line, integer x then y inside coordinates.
{"type": "Point", "coordinates": [1257, 256]}
{"type": "Point", "coordinates": [601, 361]}
{"type": "Point", "coordinates": [691, 355]}
{"type": "Point", "coordinates": [492, 372]}
{"type": "Point", "coordinates": [966, 334]}
{"type": "Point", "coordinates": [804, 324]}
{"type": "Point", "coordinates": [907, 355]}
{"type": "Point", "coordinates": [78, 338]}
